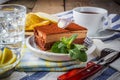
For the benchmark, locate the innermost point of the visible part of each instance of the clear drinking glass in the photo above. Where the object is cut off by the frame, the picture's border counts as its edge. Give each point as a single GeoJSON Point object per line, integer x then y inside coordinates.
{"type": "Point", "coordinates": [12, 22]}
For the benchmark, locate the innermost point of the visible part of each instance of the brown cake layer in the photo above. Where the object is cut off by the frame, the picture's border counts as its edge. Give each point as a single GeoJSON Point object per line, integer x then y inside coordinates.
{"type": "Point", "coordinates": [45, 36]}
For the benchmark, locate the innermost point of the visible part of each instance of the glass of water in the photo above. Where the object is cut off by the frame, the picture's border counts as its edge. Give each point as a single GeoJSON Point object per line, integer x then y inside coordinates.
{"type": "Point", "coordinates": [12, 23]}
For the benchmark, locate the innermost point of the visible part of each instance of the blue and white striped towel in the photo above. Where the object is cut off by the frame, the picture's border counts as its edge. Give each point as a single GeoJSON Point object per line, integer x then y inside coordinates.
{"type": "Point", "coordinates": [107, 73]}
{"type": "Point", "coordinates": [30, 62]}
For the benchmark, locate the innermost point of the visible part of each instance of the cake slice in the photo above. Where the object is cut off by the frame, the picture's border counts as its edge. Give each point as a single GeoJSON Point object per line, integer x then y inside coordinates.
{"type": "Point", "coordinates": [46, 35]}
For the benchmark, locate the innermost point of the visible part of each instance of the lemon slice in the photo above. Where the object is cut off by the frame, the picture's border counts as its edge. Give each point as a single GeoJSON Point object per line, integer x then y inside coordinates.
{"type": "Point", "coordinates": [13, 59]}
{"type": "Point", "coordinates": [0, 55]}
{"type": "Point", "coordinates": [7, 57]}
{"type": "Point", "coordinates": [46, 16]}
{"type": "Point", "coordinates": [32, 19]}
{"type": "Point", "coordinates": [37, 24]}
{"type": "Point", "coordinates": [10, 61]}
{"type": "Point", "coordinates": [38, 19]}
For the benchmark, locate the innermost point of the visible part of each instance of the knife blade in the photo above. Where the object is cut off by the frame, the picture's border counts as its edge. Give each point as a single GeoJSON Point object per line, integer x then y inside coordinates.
{"type": "Point", "coordinates": [91, 68]}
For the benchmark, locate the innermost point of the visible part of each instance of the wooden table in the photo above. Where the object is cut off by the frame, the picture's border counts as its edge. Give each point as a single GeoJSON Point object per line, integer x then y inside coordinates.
{"type": "Point", "coordinates": [56, 6]}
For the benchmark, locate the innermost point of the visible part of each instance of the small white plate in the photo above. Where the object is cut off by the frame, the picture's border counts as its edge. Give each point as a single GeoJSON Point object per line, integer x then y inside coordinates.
{"type": "Point", "coordinates": [50, 55]}
{"type": "Point", "coordinates": [103, 34]}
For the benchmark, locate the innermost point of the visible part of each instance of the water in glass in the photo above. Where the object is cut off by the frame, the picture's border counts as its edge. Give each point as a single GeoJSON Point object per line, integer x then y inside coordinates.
{"type": "Point", "coordinates": [12, 21]}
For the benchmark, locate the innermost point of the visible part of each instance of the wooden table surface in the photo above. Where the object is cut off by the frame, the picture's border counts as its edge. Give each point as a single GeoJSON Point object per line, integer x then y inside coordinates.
{"type": "Point", "coordinates": [56, 6]}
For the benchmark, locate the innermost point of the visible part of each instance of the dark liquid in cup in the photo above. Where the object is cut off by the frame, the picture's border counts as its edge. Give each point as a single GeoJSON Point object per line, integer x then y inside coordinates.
{"type": "Point", "coordinates": [89, 12]}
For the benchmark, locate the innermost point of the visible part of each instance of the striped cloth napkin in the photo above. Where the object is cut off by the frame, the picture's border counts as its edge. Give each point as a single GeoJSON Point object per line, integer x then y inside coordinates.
{"type": "Point", "coordinates": [30, 62]}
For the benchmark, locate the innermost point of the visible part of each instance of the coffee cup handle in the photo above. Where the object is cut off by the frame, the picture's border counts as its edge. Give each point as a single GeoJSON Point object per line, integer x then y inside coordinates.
{"type": "Point", "coordinates": [106, 22]}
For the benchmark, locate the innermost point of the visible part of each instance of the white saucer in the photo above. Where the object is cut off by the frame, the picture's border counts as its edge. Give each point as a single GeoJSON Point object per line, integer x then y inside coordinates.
{"type": "Point", "coordinates": [50, 55]}
{"type": "Point", "coordinates": [103, 34]}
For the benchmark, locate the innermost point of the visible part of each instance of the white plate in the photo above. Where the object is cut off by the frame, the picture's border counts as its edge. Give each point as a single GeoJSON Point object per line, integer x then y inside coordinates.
{"type": "Point", "coordinates": [103, 34]}
{"type": "Point", "coordinates": [50, 55]}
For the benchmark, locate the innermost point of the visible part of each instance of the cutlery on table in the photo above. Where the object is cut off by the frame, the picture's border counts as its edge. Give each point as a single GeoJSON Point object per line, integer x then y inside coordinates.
{"type": "Point", "coordinates": [91, 68]}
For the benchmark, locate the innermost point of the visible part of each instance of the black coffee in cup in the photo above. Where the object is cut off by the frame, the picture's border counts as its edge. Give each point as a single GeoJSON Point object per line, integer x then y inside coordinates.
{"type": "Point", "coordinates": [89, 12]}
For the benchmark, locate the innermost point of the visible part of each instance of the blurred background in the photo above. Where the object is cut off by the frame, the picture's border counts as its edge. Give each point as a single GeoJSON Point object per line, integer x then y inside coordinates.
{"type": "Point", "coordinates": [56, 6]}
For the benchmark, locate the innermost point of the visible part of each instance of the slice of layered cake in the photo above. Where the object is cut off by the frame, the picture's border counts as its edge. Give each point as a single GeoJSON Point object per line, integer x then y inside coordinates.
{"type": "Point", "coordinates": [46, 35]}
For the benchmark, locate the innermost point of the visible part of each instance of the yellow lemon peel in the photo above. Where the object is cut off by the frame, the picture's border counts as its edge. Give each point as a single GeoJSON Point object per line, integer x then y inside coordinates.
{"type": "Point", "coordinates": [38, 19]}
{"type": "Point", "coordinates": [31, 19]}
{"type": "Point", "coordinates": [46, 16]}
{"type": "Point", "coordinates": [7, 57]}
{"type": "Point", "coordinates": [37, 24]}
{"type": "Point", "coordinates": [0, 56]}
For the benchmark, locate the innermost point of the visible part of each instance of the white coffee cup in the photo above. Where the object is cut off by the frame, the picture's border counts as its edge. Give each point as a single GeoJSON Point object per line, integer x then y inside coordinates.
{"type": "Point", "coordinates": [92, 18]}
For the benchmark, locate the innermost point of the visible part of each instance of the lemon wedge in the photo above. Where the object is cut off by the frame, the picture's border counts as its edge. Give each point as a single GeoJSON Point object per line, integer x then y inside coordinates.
{"type": "Point", "coordinates": [38, 19]}
{"type": "Point", "coordinates": [7, 57]}
{"type": "Point", "coordinates": [0, 55]}
{"type": "Point", "coordinates": [37, 24]}
{"type": "Point", "coordinates": [46, 16]}
{"type": "Point", "coordinates": [32, 19]}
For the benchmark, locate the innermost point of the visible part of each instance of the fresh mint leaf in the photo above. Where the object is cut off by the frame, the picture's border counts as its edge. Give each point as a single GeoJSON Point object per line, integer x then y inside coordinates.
{"type": "Point", "coordinates": [59, 47]}
{"type": "Point", "coordinates": [73, 53]}
{"type": "Point", "coordinates": [80, 47]}
{"type": "Point", "coordinates": [65, 45]}
{"type": "Point", "coordinates": [78, 55]}
{"type": "Point", "coordinates": [55, 48]}
{"type": "Point", "coordinates": [61, 44]}
{"type": "Point", "coordinates": [63, 50]}
{"type": "Point", "coordinates": [68, 41]}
